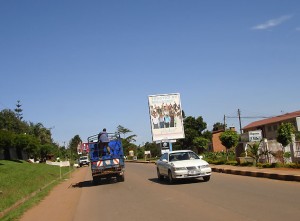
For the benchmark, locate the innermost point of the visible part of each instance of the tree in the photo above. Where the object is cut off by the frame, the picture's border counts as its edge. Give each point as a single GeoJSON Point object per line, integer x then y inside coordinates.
{"type": "Point", "coordinates": [195, 123]}
{"type": "Point", "coordinates": [218, 126]}
{"type": "Point", "coordinates": [6, 142]}
{"type": "Point", "coordinates": [253, 151]}
{"type": "Point", "coordinates": [123, 130]}
{"type": "Point", "coordinates": [9, 121]}
{"type": "Point", "coordinates": [73, 144]}
{"type": "Point", "coordinates": [154, 149]}
{"type": "Point", "coordinates": [229, 139]}
{"type": "Point", "coordinates": [40, 132]}
{"type": "Point", "coordinates": [284, 135]}
{"type": "Point", "coordinates": [18, 110]}
{"type": "Point", "coordinates": [285, 132]}
{"type": "Point", "coordinates": [200, 143]}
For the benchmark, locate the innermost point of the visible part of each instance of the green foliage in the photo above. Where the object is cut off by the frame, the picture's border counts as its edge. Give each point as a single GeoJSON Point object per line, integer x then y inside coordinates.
{"type": "Point", "coordinates": [200, 143]}
{"type": "Point", "coordinates": [123, 130]}
{"type": "Point", "coordinates": [10, 122]}
{"type": "Point", "coordinates": [285, 132]}
{"type": "Point", "coordinates": [218, 126]}
{"type": "Point", "coordinates": [219, 157]}
{"type": "Point", "coordinates": [153, 147]}
{"type": "Point", "coordinates": [297, 136]}
{"type": "Point", "coordinates": [229, 139]}
{"type": "Point", "coordinates": [196, 124]}
{"type": "Point", "coordinates": [6, 139]}
{"type": "Point", "coordinates": [253, 151]}
{"type": "Point", "coordinates": [18, 110]}
{"type": "Point", "coordinates": [27, 137]}
{"type": "Point", "coordinates": [40, 132]}
{"type": "Point", "coordinates": [73, 144]}
{"type": "Point", "coordinates": [232, 163]}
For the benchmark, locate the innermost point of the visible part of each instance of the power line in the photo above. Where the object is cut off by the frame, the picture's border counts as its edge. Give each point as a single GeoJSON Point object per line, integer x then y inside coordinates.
{"type": "Point", "coordinates": [253, 117]}
{"type": "Point", "coordinates": [242, 117]}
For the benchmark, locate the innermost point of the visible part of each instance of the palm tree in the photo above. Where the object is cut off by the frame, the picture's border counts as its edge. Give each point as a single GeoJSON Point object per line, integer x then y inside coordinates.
{"type": "Point", "coordinates": [123, 130]}
{"type": "Point", "coordinates": [253, 151]}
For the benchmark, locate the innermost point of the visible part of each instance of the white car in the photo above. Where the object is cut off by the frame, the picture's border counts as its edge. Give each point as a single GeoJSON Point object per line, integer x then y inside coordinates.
{"type": "Point", "coordinates": [182, 164]}
{"type": "Point", "coordinates": [83, 160]}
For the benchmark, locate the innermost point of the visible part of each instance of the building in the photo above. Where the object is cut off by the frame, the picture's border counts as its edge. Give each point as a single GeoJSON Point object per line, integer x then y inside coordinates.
{"type": "Point", "coordinates": [217, 146]}
{"type": "Point", "coordinates": [270, 125]}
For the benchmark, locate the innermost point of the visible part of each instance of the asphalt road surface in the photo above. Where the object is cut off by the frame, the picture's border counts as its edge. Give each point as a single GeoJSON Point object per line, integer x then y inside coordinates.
{"type": "Point", "coordinates": [143, 197]}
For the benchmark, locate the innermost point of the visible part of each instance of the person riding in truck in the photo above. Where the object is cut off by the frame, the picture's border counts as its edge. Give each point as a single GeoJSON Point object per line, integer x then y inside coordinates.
{"type": "Point", "coordinates": [103, 141]}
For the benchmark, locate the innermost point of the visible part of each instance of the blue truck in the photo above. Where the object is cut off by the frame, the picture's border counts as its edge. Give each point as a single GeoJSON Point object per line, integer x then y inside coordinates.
{"type": "Point", "coordinates": [107, 162]}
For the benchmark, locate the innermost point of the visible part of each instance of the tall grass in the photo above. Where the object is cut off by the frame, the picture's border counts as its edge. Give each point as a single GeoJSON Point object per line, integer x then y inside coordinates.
{"type": "Point", "coordinates": [19, 179]}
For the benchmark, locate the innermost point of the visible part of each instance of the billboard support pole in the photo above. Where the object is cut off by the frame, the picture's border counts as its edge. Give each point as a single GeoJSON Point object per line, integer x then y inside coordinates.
{"type": "Point", "coordinates": [170, 146]}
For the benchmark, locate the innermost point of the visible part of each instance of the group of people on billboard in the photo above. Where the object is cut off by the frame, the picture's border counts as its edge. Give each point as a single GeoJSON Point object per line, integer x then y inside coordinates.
{"type": "Point", "coordinates": [165, 115]}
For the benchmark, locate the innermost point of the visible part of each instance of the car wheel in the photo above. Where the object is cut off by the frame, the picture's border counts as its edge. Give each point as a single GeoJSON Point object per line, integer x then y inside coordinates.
{"type": "Point", "coordinates": [170, 176]}
{"type": "Point", "coordinates": [206, 178]}
{"type": "Point", "coordinates": [159, 176]}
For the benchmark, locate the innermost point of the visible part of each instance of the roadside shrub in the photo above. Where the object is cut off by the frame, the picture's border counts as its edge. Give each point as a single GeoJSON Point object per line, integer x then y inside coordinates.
{"type": "Point", "coordinates": [233, 163]}
{"type": "Point", "coordinates": [292, 165]}
{"type": "Point", "coordinates": [246, 164]}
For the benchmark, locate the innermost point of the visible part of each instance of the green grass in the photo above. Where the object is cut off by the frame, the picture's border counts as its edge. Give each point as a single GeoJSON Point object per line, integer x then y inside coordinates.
{"type": "Point", "coordinates": [19, 179]}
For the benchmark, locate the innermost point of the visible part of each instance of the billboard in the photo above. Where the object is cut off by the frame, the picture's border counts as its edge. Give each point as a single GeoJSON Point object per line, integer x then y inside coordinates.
{"type": "Point", "coordinates": [165, 116]}
{"type": "Point", "coordinates": [83, 148]}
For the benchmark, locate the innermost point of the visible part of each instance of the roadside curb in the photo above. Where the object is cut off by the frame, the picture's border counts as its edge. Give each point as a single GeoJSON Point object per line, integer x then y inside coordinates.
{"type": "Point", "coordinates": [276, 176]}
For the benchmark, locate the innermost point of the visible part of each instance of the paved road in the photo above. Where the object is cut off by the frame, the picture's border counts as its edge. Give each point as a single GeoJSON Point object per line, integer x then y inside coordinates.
{"type": "Point", "coordinates": [224, 197]}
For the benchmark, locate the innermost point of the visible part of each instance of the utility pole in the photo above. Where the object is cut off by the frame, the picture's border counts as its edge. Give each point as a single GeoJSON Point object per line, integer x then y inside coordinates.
{"type": "Point", "coordinates": [239, 114]}
{"type": "Point", "coordinates": [224, 122]}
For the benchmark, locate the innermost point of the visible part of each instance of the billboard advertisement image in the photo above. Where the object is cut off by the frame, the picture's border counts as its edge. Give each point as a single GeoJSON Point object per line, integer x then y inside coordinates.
{"type": "Point", "coordinates": [166, 117]}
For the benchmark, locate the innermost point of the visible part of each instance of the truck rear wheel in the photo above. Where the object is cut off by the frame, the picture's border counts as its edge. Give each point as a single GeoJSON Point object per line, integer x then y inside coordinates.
{"type": "Point", "coordinates": [121, 178]}
{"type": "Point", "coordinates": [96, 180]}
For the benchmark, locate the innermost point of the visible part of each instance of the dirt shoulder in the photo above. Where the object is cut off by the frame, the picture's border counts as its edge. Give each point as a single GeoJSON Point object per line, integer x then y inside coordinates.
{"type": "Point", "coordinates": [62, 201]}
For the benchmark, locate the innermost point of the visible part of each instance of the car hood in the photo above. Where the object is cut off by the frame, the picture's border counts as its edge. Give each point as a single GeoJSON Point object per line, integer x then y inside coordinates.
{"type": "Point", "coordinates": [187, 163]}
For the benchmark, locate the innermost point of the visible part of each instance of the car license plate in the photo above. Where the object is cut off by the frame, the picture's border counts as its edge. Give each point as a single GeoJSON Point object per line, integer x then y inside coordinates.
{"type": "Point", "coordinates": [193, 172]}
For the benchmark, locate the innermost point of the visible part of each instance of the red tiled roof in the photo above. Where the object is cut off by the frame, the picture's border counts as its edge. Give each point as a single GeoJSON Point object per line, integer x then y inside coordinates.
{"type": "Point", "coordinates": [273, 120]}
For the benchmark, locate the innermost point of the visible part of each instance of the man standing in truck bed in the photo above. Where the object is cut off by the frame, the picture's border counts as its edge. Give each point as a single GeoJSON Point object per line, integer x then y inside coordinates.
{"type": "Point", "coordinates": [103, 141]}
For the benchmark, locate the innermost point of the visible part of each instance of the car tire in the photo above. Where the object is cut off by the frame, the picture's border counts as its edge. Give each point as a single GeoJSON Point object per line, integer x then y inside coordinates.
{"type": "Point", "coordinates": [206, 178]}
{"type": "Point", "coordinates": [159, 176]}
{"type": "Point", "coordinates": [170, 177]}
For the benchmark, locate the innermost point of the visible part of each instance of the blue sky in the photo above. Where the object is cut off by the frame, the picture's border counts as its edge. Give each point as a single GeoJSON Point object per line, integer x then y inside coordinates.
{"type": "Point", "coordinates": [80, 66]}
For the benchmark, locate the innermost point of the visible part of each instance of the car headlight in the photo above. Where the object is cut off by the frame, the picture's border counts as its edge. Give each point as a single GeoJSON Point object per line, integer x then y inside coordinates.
{"type": "Point", "coordinates": [204, 166]}
{"type": "Point", "coordinates": [179, 168]}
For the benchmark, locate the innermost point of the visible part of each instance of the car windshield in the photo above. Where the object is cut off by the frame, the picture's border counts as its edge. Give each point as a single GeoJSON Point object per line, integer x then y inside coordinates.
{"type": "Point", "coordinates": [83, 158]}
{"type": "Point", "coordinates": [183, 156]}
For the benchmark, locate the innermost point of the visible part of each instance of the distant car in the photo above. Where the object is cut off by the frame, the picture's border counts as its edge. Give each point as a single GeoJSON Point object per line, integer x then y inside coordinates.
{"type": "Point", "coordinates": [182, 164]}
{"type": "Point", "coordinates": [83, 160]}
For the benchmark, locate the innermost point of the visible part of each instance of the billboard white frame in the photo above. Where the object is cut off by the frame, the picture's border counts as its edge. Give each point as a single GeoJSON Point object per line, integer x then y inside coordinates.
{"type": "Point", "coordinates": [165, 113]}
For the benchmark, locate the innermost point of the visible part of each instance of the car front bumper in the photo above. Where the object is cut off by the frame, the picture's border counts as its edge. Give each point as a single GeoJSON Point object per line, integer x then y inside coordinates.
{"type": "Point", "coordinates": [182, 174]}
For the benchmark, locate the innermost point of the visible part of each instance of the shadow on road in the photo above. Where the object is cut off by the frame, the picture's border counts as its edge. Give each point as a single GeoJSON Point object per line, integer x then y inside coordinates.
{"type": "Point", "coordinates": [176, 182]}
{"type": "Point", "coordinates": [90, 183]}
